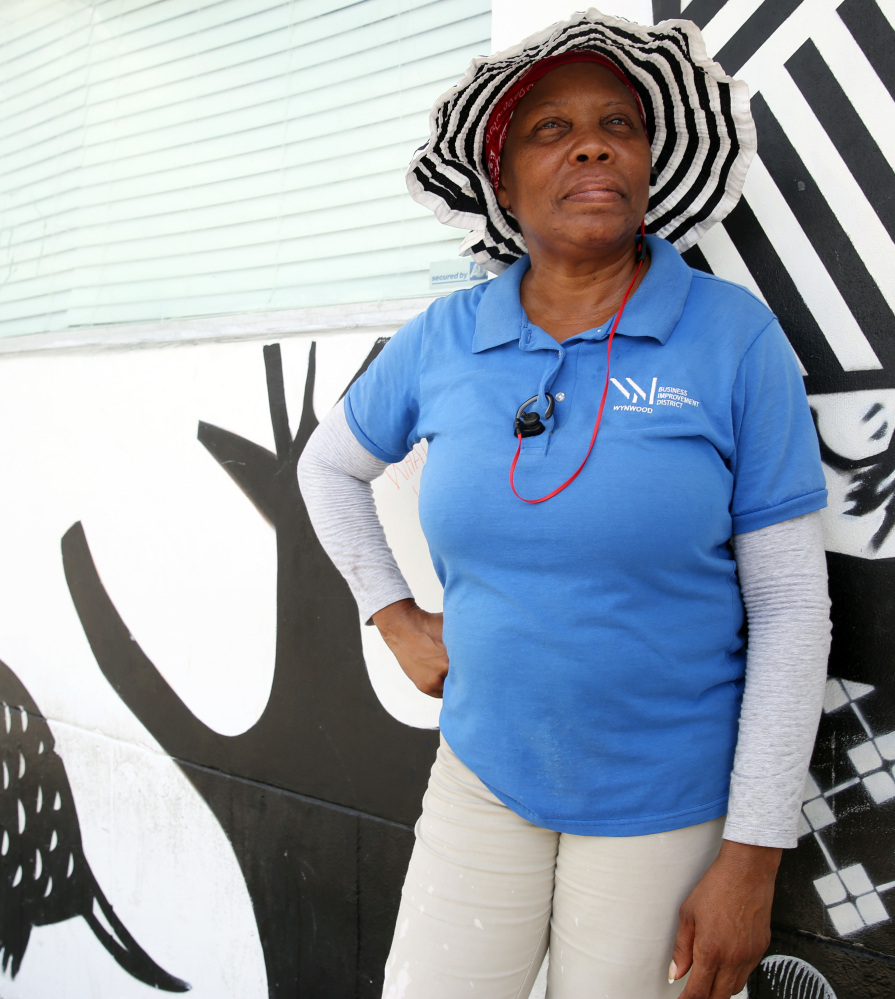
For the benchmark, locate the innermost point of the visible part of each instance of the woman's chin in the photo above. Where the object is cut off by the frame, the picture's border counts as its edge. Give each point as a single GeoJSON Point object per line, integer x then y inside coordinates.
{"type": "Point", "coordinates": [584, 236]}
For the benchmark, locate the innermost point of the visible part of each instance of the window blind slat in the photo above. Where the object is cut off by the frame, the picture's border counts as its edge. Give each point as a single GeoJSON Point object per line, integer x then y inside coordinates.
{"type": "Point", "coordinates": [218, 295]}
{"type": "Point", "coordinates": [162, 160]}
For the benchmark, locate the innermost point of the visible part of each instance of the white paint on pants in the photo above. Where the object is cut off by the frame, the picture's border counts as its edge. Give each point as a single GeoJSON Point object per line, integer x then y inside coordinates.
{"type": "Point", "coordinates": [503, 889]}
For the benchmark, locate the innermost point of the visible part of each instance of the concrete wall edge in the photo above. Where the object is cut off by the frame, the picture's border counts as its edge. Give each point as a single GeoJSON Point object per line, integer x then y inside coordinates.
{"type": "Point", "coordinates": [367, 317]}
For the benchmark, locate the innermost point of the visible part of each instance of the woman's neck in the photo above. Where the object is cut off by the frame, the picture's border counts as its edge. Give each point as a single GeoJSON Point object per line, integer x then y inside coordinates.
{"type": "Point", "coordinates": [566, 298]}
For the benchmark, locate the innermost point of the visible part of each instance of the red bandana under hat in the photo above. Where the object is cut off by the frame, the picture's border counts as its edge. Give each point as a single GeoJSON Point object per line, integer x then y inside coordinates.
{"type": "Point", "coordinates": [501, 116]}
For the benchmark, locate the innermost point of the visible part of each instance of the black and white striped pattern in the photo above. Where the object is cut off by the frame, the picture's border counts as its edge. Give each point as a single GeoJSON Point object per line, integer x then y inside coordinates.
{"type": "Point", "coordinates": [813, 233]}
{"type": "Point", "coordinates": [784, 977]}
{"type": "Point", "coordinates": [702, 134]}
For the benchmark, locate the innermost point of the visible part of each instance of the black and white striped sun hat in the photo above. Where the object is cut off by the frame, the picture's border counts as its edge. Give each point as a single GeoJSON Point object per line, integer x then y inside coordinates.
{"type": "Point", "coordinates": [698, 119]}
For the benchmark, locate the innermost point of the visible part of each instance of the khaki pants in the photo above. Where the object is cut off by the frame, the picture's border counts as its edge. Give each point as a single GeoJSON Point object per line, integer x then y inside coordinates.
{"type": "Point", "coordinates": [487, 892]}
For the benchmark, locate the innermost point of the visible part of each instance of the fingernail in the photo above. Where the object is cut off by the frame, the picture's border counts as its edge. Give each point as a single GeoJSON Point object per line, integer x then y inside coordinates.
{"type": "Point", "coordinates": [672, 973]}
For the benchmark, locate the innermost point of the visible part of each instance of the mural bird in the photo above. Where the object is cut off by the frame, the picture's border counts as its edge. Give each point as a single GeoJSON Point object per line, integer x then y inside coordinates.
{"type": "Point", "coordinates": [328, 783]}
{"type": "Point", "coordinates": [44, 874]}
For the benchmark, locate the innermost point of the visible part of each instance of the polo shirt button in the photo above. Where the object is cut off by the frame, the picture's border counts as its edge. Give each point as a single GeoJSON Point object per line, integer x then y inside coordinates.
{"type": "Point", "coordinates": [560, 396]}
{"type": "Point", "coordinates": [559, 353]}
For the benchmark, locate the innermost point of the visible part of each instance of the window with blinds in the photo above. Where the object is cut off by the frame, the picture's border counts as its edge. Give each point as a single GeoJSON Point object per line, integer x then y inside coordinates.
{"type": "Point", "coordinates": [168, 159]}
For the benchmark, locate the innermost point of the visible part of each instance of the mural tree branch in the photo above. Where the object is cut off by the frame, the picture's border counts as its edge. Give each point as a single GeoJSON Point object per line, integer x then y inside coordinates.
{"type": "Point", "coordinates": [323, 738]}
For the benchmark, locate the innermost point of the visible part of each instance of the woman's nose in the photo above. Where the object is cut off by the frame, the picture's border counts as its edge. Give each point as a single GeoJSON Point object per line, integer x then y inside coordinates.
{"type": "Point", "coordinates": [590, 144]}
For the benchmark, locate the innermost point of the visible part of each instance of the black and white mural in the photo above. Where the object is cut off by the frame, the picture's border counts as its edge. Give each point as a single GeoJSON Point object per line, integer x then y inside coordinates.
{"type": "Point", "coordinates": [209, 768]}
{"type": "Point", "coordinates": [46, 877]}
{"type": "Point", "coordinates": [243, 716]}
{"type": "Point", "coordinates": [813, 235]}
{"type": "Point", "coordinates": [322, 736]}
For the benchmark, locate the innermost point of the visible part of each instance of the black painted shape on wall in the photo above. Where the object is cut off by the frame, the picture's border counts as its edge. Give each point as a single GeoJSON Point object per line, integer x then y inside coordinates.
{"type": "Point", "coordinates": [861, 592]}
{"type": "Point", "coordinates": [850, 973]}
{"type": "Point", "coordinates": [324, 882]}
{"type": "Point", "coordinates": [860, 965]}
{"type": "Point", "coordinates": [323, 739]}
{"type": "Point", "coordinates": [862, 155]}
{"type": "Point", "coordinates": [665, 9]}
{"type": "Point", "coordinates": [846, 130]}
{"type": "Point", "coordinates": [762, 260]}
{"type": "Point", "coordinates": [783, 976]}
{"type": "Point", "coordinates": [323, 732]}
{"type": "Point", "coordinates": [779, 289]}
{"type": "Point", "coordinates": [838, 254]}
{"type": "Point", "coordinates": [746, 40]}
{"type": "Point", "coordinates": [874, 33]}
{"type": "Point", "coordinates": [753, 33]}
{"type": "Point", "coordinates": [44, 874]}
{"type": "Point", "coordinates": [835, 250]}
{"type": "Point", "coordinates": [871, 484]}
{"type": "Point", "coordinates": [854, 957]}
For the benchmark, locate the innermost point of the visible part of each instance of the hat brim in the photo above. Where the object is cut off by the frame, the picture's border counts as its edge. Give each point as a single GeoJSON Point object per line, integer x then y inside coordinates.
{"type": "Point", "coordinates": [701, 131]}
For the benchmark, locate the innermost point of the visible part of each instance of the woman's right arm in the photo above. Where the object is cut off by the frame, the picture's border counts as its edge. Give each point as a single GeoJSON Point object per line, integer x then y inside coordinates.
{"type": "Point", "coordinates": [334, 474]}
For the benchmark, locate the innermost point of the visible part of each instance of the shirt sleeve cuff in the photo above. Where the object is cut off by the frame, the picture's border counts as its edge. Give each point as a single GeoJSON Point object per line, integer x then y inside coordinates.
{"type": "Point", "coordinates": [365, 441]}
{"type": "Point", "coordinates": [754, 520]}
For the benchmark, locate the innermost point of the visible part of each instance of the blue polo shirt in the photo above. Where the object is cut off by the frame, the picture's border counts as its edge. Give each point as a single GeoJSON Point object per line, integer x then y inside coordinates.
{"type": "Point", "coordinates": [596, 641]}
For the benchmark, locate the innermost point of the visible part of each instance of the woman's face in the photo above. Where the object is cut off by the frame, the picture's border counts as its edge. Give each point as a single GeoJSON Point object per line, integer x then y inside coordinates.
{"type": "Point", "coordinates": [575, 167]}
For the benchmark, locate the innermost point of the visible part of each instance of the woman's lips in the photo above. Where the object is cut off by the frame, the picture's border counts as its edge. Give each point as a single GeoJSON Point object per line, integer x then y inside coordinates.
{"type": "Point", "coordinates": [593, 194]}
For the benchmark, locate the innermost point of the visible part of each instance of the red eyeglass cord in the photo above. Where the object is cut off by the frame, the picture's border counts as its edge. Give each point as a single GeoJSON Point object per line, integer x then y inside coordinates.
{"type": "Point", "coordinates": [593, 438]}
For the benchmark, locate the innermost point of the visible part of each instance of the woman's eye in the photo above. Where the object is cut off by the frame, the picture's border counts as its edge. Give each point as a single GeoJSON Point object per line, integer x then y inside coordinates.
{"type": "Point", "coordinates": [549, 124]}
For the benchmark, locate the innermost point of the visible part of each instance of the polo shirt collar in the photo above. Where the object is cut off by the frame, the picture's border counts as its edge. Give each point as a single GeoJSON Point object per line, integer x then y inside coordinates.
{"type": "Point", "coordinates": [653, 310]}
{"type": "Point", "coordinates": [500, 317]}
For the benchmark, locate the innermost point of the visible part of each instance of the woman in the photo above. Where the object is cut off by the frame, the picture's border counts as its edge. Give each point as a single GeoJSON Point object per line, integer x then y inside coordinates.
{"type": "Point", "coordinates": [595, 729]}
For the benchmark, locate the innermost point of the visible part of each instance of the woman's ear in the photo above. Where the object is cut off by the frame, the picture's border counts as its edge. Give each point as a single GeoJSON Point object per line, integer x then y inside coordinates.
{"type": "Point", "coordinates": [503, 199]}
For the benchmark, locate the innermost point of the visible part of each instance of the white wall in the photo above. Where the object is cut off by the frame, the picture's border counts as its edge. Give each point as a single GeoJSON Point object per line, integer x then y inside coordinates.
{"type": "Point", "coordinates": [513, 20]}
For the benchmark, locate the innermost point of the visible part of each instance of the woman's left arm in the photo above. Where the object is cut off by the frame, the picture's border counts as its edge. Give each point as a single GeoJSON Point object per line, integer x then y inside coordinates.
{"type": "Point", "coordinates": [725, 921]}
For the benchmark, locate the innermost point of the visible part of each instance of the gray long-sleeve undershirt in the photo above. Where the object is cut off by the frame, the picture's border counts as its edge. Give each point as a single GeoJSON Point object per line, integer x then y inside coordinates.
{"type": "Point", "coordinates": [782, 573]}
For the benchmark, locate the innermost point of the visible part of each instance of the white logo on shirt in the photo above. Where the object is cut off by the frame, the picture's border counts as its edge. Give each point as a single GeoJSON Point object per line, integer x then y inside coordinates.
{"type": "Point", "coordinates": [642, 400]}
{"type": "Point", "coordinates": [635, 389]}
